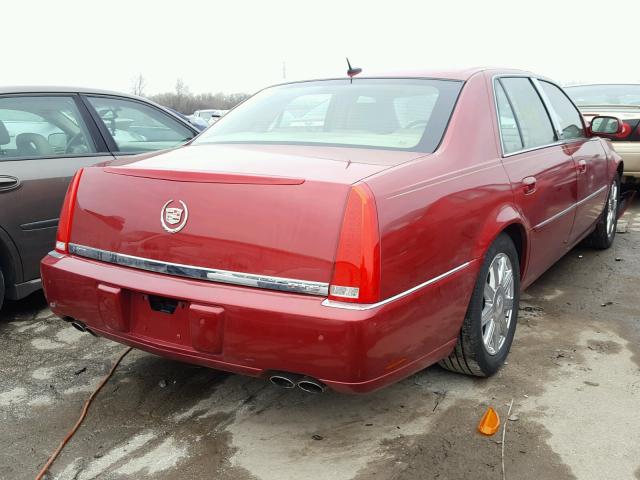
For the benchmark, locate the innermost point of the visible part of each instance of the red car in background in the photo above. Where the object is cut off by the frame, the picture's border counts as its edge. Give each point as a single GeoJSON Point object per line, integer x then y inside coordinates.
{"type": "Point", "coordinates": [341, 233]}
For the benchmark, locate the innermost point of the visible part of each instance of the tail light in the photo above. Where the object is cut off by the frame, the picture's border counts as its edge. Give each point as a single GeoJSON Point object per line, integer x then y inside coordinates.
{"type": "Point", "coordinates": [66, 214]}
{"type": "Point", "coordinates": [356, 274]}
{"type": "Point", "coordinates": [626, 131]}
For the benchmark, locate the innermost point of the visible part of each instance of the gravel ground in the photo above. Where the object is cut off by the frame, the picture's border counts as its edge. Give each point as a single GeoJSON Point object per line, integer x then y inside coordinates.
{"type": "Point", "coordinates": [573, 373]}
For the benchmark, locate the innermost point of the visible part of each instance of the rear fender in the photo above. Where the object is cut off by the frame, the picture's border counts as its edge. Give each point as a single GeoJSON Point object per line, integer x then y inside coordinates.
{"type": "Point", "coordinates": [505, 218]}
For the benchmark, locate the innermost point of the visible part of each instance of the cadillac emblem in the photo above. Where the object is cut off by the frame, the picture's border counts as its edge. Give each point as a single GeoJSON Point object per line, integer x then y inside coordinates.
{"type": "Point", "coordinates": [174, 218]}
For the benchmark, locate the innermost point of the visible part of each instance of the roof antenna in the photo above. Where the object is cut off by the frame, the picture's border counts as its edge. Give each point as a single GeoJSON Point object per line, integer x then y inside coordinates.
{"type": "Point", "coordinates": [352, 72]}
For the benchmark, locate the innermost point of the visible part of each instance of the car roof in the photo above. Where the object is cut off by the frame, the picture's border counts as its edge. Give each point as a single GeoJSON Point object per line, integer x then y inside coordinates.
{"type": "Point", "coordinates": [59, 89]}
{"type": "Point", "coordinates": [451, 74]}
{"type": "Point", "coordinates": [460, 74]}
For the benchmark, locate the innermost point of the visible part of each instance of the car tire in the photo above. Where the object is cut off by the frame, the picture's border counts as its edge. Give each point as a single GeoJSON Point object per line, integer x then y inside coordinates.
{"type": "Point", "coordinates": [489, 325]}
{"type": "Point", "coordinates": [1, 289]}
{"type": "Point", "coordinates": [605, 232]}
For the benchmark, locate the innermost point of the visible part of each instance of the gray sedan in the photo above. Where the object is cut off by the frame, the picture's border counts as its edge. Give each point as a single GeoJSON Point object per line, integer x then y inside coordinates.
{"type": "Point", "coordinates": [46, 134]}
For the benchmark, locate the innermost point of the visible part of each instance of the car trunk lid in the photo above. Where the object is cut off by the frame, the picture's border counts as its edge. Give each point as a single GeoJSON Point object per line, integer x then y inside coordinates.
{"type": "Point", "coordinates": [272, 212]}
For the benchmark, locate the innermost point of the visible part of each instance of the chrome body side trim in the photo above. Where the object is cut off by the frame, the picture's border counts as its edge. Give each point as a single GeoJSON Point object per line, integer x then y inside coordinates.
{"type": "Point", "coordinates": [369, 306]}
{"type": "Point", "coordinates": [202, 273]}
{"type": "Point", "coordinates": [568, 209]}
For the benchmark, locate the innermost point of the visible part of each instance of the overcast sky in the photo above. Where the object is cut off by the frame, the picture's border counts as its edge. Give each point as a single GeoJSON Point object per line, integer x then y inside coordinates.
{"type": "Point", "coordinates": [241, 45]}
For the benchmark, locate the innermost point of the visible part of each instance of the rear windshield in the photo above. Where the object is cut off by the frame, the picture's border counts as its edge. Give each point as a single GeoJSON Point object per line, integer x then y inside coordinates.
{"type": "Point", "coordinates": [399, 114]}
{"type": "Point", "coordinates": [605, 95]}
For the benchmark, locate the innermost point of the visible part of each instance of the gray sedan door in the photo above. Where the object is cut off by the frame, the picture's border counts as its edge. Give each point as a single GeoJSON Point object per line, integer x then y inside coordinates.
{"type": "Point", "coordinates": [48, 137]}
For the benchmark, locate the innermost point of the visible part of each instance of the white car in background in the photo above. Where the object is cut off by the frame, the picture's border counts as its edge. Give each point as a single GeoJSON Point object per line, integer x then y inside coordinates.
{"type": "Point", "coordinates": [209, 115]}
{"type": "Point", "coordinates": [623, 102]}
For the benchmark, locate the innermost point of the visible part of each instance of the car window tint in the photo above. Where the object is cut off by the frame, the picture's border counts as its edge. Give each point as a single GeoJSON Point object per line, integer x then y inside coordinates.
{"type": "Point", "coordinates": [40, 126]}
{"type": "Point", "coordinates": [567, 114]}
{"type": "Point", "coordinates": [306, 112]}
{"type": "Point", "coordinates": [509, 131]}
{"type": "Point", "coordinates": [390, 113]}
{"type": "Point", "coordinates": [136, 127]}
{"type": "Point", "coordinates": [535, 124]}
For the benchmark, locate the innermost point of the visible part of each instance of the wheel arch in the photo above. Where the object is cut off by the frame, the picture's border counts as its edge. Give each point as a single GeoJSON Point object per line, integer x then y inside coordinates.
{"type": "Point", "coordinates": [508, 220]}
{"type": "Point", "coordinates": [10, 263]}
{"type": "Point", "coordinates": [518, 235]}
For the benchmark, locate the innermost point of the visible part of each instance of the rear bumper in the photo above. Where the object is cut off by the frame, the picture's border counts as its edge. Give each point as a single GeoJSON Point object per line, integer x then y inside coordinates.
{"type": "Point", "coordinates": [630, 153]}
{"type": "Point", "coordinates": [254, 332]}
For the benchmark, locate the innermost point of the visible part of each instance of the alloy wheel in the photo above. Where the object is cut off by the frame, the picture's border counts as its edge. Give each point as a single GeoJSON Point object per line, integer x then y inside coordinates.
{"type": "Point", "coordinates": [612, 208]}
{"type": "Point", "coordinates": [497, 305]}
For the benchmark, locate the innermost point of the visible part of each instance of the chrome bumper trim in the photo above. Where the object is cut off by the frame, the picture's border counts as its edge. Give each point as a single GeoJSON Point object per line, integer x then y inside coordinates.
{"type": "Point", "coordinates": [369, 306]}
{"type": "Point", "coordinates": [55, 254]}
{"type": "Point", "coordinates": [202, 273]}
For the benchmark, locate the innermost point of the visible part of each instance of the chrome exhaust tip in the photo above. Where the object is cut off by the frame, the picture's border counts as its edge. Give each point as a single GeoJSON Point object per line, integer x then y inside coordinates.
{"type": "Point", "coordinates": [81, 327]}
{"type": "Point", "coordinates": [284, 380]}
{"type": "Point", "coordinates": [311, 385]}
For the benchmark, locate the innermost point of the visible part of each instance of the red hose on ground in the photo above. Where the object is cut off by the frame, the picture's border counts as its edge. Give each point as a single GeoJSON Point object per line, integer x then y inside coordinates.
{"type": "Point", "coordinates": [85, 409]}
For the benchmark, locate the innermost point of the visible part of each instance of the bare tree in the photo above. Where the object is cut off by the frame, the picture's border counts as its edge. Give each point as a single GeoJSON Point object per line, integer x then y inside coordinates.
{"type": "Point", "coordinates": [138, 85]}
{"type": "Point", "coordinates": [181, 88]}
{"type": "Point", "coordinates": [186, 102]}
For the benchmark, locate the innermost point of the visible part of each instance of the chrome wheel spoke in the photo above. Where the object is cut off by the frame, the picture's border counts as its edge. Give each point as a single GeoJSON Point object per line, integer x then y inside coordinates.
{"type": "Point", "coordinates": [487, 315]}
{"type": "Point", "coordinates": [495, 340]}
{"type": "Point", "coordinates": [495, 272]}
{"type": "Point", "coordinates": [487, 336]}
{"type": "Point", "coordinates": [508, 305]}
{"type": "Point", "coordinates": [504, 327]}
{"type": "Point", "coordinates": [507, 282]}
{"type": "Point", "coordinates": [489, 293]}
{"type": "Point", "coordinates": [503, 269]}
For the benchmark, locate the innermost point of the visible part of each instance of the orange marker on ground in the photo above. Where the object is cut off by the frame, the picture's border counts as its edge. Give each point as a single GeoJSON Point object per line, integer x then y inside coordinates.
{"type": "Point", "coordinates": [489, 423]}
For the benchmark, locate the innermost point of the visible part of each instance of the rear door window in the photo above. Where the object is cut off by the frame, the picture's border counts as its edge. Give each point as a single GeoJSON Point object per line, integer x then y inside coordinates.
{"type": "Point", "coordinates": [567, 115]}
{"type": "Point", "coordinates": [42, 126]}
{"type": "Point", "coordinates": [509, 128]}
{"type": "Point", "coordinates": [535, 124]}
{"type": "Point", "coordinates": [136, 127]}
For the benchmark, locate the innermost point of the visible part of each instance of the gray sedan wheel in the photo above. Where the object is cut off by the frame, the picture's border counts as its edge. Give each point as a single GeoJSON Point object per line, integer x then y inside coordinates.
{"type": "Point", "coordinates": [1, 289]}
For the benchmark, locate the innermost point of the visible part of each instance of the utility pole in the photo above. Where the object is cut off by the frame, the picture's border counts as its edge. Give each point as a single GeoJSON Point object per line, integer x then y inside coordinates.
{"type": "Point", "coordinates": [284, 70]}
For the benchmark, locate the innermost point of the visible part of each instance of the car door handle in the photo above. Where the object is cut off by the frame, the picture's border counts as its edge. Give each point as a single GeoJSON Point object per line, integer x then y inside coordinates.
{"type": "Point", "coordinates": [582, 166]}
{"type": "Point", "coordinates": [8, 183]}
{"type": "Point", "coordinates": [529, 185]}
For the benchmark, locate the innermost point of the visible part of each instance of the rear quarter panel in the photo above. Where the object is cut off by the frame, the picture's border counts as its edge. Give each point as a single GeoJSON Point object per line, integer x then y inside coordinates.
{"type": "Point", "coordinates": [443, 210]}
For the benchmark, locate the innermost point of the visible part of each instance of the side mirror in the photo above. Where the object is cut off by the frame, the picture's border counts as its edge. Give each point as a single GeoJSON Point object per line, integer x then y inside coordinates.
{"type": "Point", "coordinates": [606, 126]}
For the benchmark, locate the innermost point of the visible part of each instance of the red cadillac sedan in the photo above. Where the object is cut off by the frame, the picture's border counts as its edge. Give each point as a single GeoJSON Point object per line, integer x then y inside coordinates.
{"type": "Point", "coordinates": [340, 233]}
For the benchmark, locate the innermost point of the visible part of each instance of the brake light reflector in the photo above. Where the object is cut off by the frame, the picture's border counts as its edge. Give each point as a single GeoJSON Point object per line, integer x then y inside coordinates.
{"type": "Point", "coordinates": [356, 274]}
{"type": "Point", "coordinates": [66, 214]}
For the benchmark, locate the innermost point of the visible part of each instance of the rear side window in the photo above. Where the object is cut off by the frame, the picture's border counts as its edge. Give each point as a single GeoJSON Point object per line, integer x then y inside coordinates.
{"type": "Point", "coordinates": [509, 129]}
{"type": "Point", "coordinates": [532, 117]}
{"type": "Point", "coordinates": [567, 114]}
{"type": "Point", "coordinates": [136, 127]}
{"type": "Point", "coordinates": [41, 126]}
{"type": "Point", "coordinates": [399, 114]}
